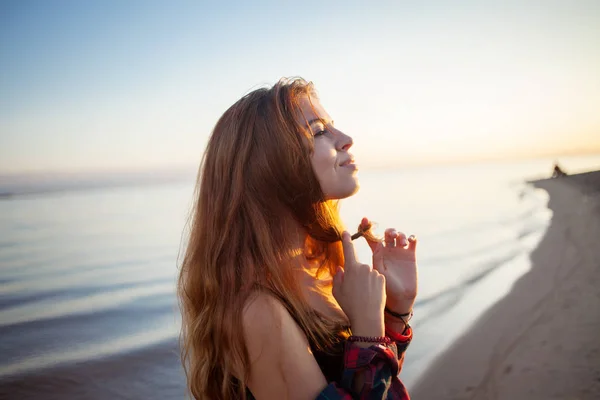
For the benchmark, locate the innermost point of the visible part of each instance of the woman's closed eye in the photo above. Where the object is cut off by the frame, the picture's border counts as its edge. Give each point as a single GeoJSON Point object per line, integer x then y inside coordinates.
{"type": "Point", "coordinates": [320, 129]}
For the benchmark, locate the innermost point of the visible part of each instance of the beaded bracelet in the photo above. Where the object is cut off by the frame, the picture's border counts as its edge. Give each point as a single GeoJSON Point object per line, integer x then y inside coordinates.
{"type": "Point", "coordinates": [373, 339]}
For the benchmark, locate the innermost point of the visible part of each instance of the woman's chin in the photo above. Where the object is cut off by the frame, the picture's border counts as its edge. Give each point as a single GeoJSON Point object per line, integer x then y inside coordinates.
{"type": "Point", "coordinates": [354, 189]}
{"type": "Point", "coordinates": [346, 191]}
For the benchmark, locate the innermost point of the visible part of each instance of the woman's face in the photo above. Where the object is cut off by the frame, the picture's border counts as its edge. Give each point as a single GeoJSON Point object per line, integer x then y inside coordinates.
{"type": "Point", "coordinates": [332, 163]}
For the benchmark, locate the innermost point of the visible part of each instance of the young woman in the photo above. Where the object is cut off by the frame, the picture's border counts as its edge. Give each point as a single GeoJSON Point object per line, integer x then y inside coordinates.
{"type": "Point", "coordinates": [274, 303]}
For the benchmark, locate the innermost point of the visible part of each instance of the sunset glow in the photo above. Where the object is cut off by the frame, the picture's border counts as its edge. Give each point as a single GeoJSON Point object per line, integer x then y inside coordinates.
{"type": "Point", "coordinates": [112, 85]}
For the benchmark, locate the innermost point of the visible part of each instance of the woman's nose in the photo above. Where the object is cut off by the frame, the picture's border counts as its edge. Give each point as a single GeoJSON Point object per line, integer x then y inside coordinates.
{"type": "Point", "coordinates": [344, 141]}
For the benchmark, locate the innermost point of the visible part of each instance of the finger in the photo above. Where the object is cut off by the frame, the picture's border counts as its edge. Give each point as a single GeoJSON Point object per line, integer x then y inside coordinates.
{"type": "Point", "coordinates": [378, 258]}
{"type": "Point", "coordinates": [412, 242]}
{"type": "Point", "coordinates": [338, 278]}
{"type": "Point", "coordinates": [372, 243]}
{"type": "Point", "coordinates": [390, 237]}
{"type": "Point", "coordinates": [349, 253]}
{"type": "Point", "coordinates": [401, 240]}
{"type": "Point", "coordinates": [364, 223]}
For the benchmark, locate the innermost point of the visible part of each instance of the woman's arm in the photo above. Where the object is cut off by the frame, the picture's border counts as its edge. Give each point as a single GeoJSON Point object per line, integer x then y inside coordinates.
{"type": "Point", "coordinates": [283, 366]}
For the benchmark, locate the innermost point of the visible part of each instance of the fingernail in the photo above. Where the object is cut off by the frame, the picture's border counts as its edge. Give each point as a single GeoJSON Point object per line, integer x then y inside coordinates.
{"type": "Point", "coordinates": [412, 238]}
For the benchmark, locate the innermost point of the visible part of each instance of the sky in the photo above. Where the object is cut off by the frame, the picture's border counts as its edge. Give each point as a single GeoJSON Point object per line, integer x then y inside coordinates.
{"type": "Point", "coordinates": [138, 85]}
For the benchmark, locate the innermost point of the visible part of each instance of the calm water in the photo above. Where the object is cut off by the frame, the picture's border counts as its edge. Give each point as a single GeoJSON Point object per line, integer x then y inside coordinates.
{"type": "Point", "coordinates": [87, 278]}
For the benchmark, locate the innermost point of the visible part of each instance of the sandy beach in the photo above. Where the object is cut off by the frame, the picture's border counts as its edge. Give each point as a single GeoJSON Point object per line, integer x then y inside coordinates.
{"type": "Point", "coordinates": [542, 341]}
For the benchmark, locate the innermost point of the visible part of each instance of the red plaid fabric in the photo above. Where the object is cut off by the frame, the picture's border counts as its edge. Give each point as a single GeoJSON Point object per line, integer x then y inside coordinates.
{"type": "Point", "coordinates": [402, 342]}
{"type": "Point", "coordinates": [379, 365]}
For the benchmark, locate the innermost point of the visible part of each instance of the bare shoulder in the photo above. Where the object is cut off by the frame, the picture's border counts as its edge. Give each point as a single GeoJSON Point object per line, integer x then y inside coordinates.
{"type": "Point", "coordinates": [264, 315]}
{"type": "Point", "coordinates": [262, 308]}
{"type": "Point", "coordinates": [281, 362]}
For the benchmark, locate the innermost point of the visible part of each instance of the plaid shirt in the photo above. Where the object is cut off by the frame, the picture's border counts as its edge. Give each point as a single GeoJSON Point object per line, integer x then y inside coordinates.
{"type": "Point", "coordinates": [379, 365]}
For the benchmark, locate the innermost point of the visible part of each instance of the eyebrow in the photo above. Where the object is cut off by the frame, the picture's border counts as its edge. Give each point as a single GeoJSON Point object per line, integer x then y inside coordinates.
{"type": "Point", "coordinates": [321, 120]}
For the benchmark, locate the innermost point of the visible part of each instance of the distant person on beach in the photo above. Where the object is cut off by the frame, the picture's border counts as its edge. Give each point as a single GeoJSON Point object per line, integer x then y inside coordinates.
{"type": "Point", "coordinates": [275, 304]}
{"type": "Point", "coordinates": [557, 172]}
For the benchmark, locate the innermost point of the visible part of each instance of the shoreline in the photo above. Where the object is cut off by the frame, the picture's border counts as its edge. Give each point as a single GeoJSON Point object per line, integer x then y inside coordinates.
{"type": "Point", "coordinates": [541, 340]}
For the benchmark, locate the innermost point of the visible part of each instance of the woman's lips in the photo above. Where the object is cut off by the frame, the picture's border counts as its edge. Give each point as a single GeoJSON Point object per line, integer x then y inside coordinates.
{"type": "Point", "coordinates": [349, 164]}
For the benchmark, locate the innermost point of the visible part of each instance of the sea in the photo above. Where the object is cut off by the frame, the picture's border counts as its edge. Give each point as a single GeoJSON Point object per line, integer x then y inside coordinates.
{"type": "Point", "coordinates": [88, 268]}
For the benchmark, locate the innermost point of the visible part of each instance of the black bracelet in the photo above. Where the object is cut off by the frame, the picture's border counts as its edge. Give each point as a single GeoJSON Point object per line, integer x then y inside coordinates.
{"type": "Point", "coordinates": [400, 316]}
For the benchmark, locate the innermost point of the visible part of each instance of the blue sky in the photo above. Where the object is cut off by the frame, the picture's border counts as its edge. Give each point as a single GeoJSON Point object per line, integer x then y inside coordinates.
{"type": "Point", "coordinates": [119, 85]}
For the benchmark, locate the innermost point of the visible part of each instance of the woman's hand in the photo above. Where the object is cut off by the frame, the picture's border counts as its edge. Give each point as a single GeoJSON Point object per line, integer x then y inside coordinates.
{"type": "Point", "coordinates": [360, 292]}
{"type": "Point", "coordinates": [396, 261]}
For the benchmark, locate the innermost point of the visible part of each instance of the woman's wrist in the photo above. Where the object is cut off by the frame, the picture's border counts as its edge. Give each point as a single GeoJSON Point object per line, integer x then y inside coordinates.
{"type": "Point", "coordinates": [367, 332]}
{"type": "Point", "coordinates": [402, 316]}
{"type": "Point", "coordinates": [400, 307]}
{"type": "Point", "coordinates": [394, 324]}
{"type": "Point", "coordinates": [368, 327]}
{"type": "Point", "coordinates": [397, 322]}
{"type": "Point", "coordinates": [376, 331]}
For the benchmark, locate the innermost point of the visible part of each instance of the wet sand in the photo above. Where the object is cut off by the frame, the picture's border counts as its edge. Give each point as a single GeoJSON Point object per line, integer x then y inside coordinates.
{"type": "Point", "coordinates": [542, 341]}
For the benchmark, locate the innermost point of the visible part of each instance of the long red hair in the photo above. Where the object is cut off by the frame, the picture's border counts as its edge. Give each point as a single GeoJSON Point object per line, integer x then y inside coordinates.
{"type": "Point", "coordinates": [255, 184]}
